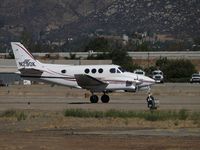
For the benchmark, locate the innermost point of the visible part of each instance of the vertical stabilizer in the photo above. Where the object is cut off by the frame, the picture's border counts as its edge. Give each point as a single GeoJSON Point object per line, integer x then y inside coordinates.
{"type": "Point", "coordinates": [24, 59]}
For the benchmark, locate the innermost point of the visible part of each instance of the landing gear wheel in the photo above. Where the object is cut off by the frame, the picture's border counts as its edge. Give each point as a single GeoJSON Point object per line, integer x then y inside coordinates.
{"type": "Point", "coordinates": [105, 98]}
{"type": "Point", "coordinates": [94, 99]}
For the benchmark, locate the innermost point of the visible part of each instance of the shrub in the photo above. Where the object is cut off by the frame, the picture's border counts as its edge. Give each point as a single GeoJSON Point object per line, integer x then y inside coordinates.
{"type": "Point", "coordinates": [8, 113]}
{"type": "Point", "coordinates": [147, 115]}
{"type": "Point", "coordinates": [19, 115]}
{"type": "Point", "coordinates": [83, 113]}
{"type": "Point", "coordinates": [183, 114]}
{"type": "Point", "coordinates": [179, 70]}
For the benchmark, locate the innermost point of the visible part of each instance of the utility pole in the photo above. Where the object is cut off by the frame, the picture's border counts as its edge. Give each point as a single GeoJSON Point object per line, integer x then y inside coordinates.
{"type": "Point", "coordinates": [148, 58]}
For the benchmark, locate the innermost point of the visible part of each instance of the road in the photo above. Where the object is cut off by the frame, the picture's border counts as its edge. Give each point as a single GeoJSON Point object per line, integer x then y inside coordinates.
{"type": "Point", "coordinates": [45, 97]}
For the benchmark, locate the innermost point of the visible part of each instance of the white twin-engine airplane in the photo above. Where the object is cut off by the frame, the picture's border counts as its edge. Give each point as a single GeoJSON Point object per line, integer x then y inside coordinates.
{"type": "Point", "coordinates": [95, 78]}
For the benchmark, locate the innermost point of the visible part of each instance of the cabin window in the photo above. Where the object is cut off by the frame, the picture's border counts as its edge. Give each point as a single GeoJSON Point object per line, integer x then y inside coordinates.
{"type": "Point", "coordinates": [100, 70]}
{"type": "Point", "coordinates": [87, 70]}
{"type": "Point", "coordinates": [94, 70]}
{"type": "Point", "coordinates": [112, 70]}
{"type": "Point", "coordinates": [63, 71]}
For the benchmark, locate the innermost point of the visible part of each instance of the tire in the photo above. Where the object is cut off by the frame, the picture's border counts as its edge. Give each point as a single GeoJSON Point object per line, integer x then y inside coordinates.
{"type": "Point", "coordinates": [94, 99]}
{"type": "Point", "coordinates": [105, 98]}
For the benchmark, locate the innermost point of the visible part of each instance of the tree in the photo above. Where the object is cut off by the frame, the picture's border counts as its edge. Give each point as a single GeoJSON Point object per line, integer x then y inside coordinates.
{"type": "Point", "coordinates": [26, 39]}
{"type": "Point", "coordinates": [144, 46]}
{"type": "Point", "coordinates": [179, 70]}
{"type": "Point", "coordinates": [99, 44]}
{"type": "Point", "coordinates": [197, 40]}
{"type": "Point", "coordinates": [196, 45]}
{"type": "Point", "coordinates": [120, 57]}
{"type": "Point", "coordinates": [161, 63]}
{"type": "Point", "coordinates": [113, 50]}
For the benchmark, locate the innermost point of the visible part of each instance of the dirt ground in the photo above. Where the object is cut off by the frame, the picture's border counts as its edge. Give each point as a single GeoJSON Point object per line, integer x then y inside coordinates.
{"type": "Point", "coordinates": [56, 141]}
{"type": "Point", "coordinates": [46, 128]}
{"type": "Point", "coordinates": [47, 131]}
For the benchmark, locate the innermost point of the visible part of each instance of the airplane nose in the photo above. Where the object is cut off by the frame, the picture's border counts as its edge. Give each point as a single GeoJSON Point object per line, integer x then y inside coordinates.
{"type": "Point", "coordinates": [152, 81]}
{"type": "Point", "coordinates": [138, 82]}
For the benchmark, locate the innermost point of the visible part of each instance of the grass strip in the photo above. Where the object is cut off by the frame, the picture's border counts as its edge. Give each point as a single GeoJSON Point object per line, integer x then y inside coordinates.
{"type": "Point", "coordinates": [19, 115]}
{"type": "Point", "coordinates": [147, 115]}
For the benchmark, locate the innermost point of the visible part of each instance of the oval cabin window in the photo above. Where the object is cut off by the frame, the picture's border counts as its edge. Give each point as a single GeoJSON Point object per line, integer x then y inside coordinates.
{"type": "Point", "coordinates": [112, 70]}
{"type": "Point", "coordinates": [94, 70]}
{"type": "Point", "coordinates": [63, 71]}
{"type": "Point", "coordinates": [100, 70]}
{"type": "Point", "coordinates": [87, 70]}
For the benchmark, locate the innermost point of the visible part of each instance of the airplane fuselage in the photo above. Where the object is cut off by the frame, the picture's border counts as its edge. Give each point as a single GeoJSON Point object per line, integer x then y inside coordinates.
{"type": "Point", "coordinates": [116, 78]}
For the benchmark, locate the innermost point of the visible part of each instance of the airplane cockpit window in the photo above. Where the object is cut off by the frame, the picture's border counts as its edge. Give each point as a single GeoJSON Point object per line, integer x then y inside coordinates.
{"type": "Point", "coordinates": [121, 69]}
{"type": "Point", "coordinates": [94, 70]}
{"type": "Point", "coordinates": [100, 70]}
{"type": "Point", "coordinates": [87, 70]}
{"type": "Point", "coordinates": [63, 71]}
{"type": "Point", "coordinates": [112, 70]}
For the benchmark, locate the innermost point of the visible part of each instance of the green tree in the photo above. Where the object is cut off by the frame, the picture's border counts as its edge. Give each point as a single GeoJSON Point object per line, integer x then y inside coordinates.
{"type": "Point", "coordinates": [144, 46]}
{"type": "Point", "coordinates": [26, 39]}
{"type": "Point", "coordinates": [149, 70]}
{"type": "Point", "coordinates": [197, 40]}
{"type": "Point", "coordinates": [99, 44]}
{"type": "Point", "coordinates": [120, 57]}
{"type": "Point", "coordinates": [162, 62]}
{"type": "Point", "coordinates": [176, 70]}
{"type": "Point", "coordinates": [196, 45]}
{"type": "Point", "coordinates": [113, 50]}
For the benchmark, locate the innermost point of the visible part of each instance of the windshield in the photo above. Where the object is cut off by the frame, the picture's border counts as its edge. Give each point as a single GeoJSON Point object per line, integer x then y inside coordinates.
{"type": "Point", "coordinates": [121, 69]}
{"type": "Point", "coordinates": [155, 73]}
{"type": "Point", "coordinates": [195, 75]}
{"type": "Point", "coordinates": [139, 72]}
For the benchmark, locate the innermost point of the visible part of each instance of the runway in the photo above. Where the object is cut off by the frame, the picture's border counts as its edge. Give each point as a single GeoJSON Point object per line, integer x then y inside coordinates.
{"type": "Point", "coordinates": [47, 128]}
{"type": "Point", "coordinates": [44, 97]}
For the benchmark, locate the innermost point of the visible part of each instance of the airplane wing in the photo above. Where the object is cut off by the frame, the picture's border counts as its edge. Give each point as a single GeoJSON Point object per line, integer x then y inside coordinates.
{"type": "Point", "coordinates": [90, 83]}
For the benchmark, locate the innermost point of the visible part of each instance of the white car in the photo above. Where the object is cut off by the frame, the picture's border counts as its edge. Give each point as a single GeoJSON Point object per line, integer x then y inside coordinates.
{"type": "Point", "coordinates": [195, 78]}
{"type": "Point", "coordinates": [158, 76]}
{"type": "Point", "coordinates": [139, 71]}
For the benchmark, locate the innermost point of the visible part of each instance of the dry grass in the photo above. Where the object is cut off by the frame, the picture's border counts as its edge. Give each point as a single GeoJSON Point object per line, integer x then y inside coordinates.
{"type": "Point", "coordinates": [52, 120]}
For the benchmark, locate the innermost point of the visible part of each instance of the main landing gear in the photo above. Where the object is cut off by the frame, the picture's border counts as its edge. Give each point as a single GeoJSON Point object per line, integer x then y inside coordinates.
{"type": "Point", "coordinates": [104, 98]}
{"type": "Point", "coordinates": [94, 99]}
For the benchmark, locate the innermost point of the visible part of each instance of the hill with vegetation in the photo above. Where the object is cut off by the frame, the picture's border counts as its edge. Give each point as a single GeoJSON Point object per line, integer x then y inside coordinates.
{"type": "Point", "coordinates": [65, 22]}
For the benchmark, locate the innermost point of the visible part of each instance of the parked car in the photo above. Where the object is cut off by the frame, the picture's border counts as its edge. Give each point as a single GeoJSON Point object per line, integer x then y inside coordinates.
{"type": "Point", "coordinates": [139, 71]}
{"type": "Point", "coordinates": [158, 76]}
{"type": "Point", "coordinates": [195, 78]}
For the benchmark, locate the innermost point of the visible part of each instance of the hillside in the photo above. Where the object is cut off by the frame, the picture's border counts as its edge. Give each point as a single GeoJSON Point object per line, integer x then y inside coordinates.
{"type": "Point", "coordinates": [59, 20]}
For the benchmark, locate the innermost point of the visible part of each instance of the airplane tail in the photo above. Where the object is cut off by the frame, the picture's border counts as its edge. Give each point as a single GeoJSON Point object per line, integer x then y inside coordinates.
{"type": "Point", "coordinates": [24, 59]}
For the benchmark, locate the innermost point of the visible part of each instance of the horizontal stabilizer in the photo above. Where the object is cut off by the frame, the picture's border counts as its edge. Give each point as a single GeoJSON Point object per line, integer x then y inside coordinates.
{"type": "Point", "coordinates": [30, 72]}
